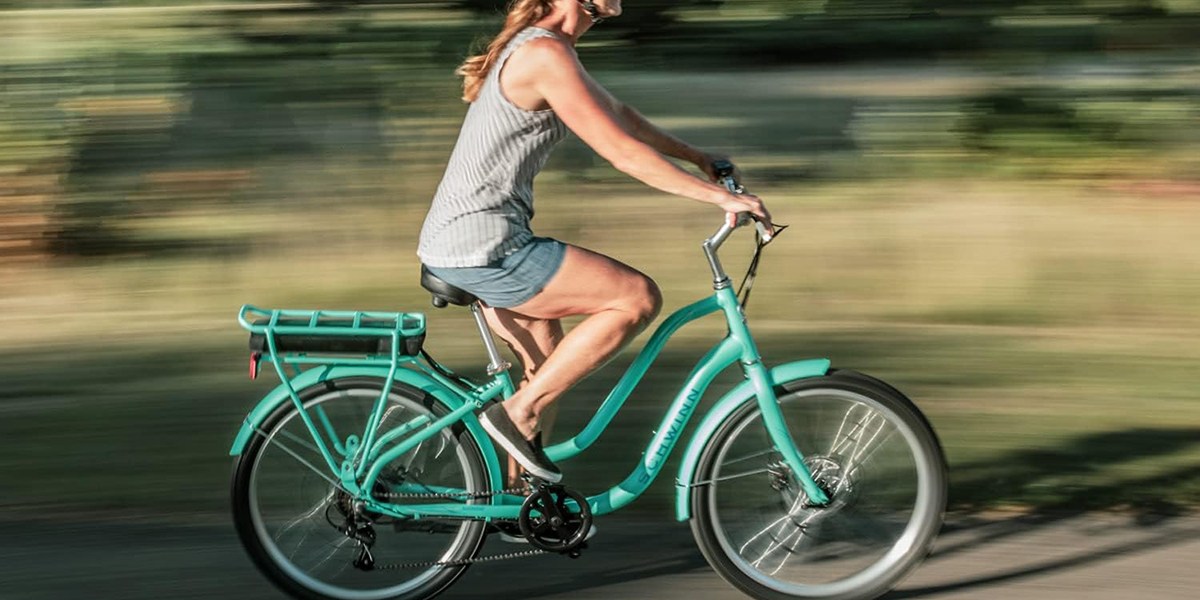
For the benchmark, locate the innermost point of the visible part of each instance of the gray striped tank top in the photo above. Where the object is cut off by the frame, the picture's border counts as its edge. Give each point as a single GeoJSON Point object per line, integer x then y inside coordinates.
{"type": "Point", "coordinates": [483, 206]}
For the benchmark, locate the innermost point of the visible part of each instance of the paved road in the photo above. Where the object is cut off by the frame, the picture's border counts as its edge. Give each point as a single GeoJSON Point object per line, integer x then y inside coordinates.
{"type": "Point", "coordinates": [1057, 557]}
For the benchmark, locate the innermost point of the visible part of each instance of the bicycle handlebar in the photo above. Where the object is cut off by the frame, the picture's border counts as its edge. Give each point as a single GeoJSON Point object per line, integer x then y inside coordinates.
{"type": "Point", "coordinates": [725, 173]}
{"type": "Point", "coordinates": [724, 170]}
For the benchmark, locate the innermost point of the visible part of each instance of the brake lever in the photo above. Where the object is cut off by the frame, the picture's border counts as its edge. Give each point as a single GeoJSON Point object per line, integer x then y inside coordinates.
{"type": "Point", "coordinates": [763, 233]}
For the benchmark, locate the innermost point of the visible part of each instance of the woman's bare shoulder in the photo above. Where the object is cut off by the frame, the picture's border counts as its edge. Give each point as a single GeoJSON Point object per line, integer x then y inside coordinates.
{"type": "Point", "coordinates": [547, 53]}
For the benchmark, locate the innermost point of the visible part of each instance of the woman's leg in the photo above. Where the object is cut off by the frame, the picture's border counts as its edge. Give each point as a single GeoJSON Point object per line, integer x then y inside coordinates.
{"type": "Point", "coordinates": [619, 301]}
{"type": "Point", "coordinates": [532, 341]}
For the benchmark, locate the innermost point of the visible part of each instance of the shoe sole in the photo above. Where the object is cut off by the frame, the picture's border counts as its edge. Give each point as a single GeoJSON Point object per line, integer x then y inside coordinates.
{"type": "Point", "coordinates": [516, 454]}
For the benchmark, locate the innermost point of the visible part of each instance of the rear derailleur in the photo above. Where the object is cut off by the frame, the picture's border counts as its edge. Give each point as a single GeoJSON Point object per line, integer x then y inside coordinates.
{"type": "Point", "coordinates": [359, 527]}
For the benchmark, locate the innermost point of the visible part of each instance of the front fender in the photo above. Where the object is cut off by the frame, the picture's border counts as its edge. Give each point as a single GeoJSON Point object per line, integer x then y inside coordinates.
{"type": "Point", "coordinates": [410, 377]}
{"type": "Point", "coordinates": [724, 407]}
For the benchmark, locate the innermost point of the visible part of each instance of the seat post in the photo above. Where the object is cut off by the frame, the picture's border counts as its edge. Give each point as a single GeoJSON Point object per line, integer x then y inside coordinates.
{"type": "Point", "coordinates": [497, 364]}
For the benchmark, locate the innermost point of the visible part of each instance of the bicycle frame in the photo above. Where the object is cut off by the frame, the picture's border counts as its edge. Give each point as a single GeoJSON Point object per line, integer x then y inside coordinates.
{"type": "Point", "coordinates": [364, 458]}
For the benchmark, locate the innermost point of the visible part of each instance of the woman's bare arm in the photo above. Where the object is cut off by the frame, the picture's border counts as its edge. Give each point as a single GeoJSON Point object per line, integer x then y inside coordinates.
{"type": "Point", "coordinates": [649, 133]}
{"type": "Point", "coordinates": [641, 128]}
{"type": "Point", "coordinates": [586, 109]}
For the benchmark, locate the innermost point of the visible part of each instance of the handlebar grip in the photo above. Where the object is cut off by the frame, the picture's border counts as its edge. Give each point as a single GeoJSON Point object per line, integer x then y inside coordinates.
{"type": "Point", "coordinates": [763, 232]}
{"type": "Point", "coordinates": [722, 168]}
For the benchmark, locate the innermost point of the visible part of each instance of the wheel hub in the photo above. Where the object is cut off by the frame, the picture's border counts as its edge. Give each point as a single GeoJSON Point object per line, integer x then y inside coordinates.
{"type": "Point", "coordinates": [827, 472]}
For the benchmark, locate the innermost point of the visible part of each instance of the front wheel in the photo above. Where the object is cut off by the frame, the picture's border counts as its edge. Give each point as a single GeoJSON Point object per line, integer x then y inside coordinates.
{"type": "Point", "coordinates": [872, 452]}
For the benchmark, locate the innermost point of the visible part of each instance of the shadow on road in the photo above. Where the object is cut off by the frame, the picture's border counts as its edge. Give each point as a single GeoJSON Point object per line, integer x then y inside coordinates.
{"type": "Point", "coordinates": [625, 551]}
{"type": "Point", "coordinates": [1089, 555]}
{"type": "Point", "coordinates": [1007, 478]}
{"type": "Point", "coordinates": [1062, 479]}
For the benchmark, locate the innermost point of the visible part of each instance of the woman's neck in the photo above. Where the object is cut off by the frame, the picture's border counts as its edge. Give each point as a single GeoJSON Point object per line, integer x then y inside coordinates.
{"type": "Point", "coordinates": [567, 20]}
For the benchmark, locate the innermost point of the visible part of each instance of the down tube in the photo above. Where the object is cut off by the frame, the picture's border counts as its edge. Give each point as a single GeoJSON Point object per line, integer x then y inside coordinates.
{"type": "Point", "coordinates": [616, 497]}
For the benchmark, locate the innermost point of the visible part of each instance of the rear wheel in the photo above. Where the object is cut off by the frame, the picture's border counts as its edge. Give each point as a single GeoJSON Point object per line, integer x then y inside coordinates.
{"type": "Point", "coordinates": [306, 533]}
{"type": "Point", "coordinates": [872, 452]}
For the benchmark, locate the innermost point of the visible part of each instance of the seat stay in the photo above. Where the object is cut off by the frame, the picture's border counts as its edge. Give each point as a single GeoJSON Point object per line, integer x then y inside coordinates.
{"type": "Point", "coordinates": [500, 386]}
{"type": "Point", "coordinates": [374, 468]}
{"type": "Point", "coordinates": [372, 428]}
{"type": "Point", "coordinates": [419, 432]}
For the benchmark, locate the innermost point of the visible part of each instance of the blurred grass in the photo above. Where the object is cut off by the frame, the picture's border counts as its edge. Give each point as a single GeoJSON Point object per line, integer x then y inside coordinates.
{"type": "Point", "coordinates": [1067, 387]}
{"type": "Point", "coordinates": [1008, 239]}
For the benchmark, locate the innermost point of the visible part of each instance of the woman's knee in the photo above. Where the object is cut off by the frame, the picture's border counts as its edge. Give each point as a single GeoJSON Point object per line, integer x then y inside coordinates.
{"type": "Point", "coordinates": [644, 301]}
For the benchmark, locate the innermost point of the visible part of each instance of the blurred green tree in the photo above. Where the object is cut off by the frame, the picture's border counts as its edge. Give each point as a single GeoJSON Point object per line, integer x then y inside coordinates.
{"type": "Point", "coordinates": [642, 18]}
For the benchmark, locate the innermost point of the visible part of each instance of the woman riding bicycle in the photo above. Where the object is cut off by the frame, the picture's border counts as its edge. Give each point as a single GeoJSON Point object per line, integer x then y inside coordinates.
{"type": "Point", "coordinates": [525, 92]}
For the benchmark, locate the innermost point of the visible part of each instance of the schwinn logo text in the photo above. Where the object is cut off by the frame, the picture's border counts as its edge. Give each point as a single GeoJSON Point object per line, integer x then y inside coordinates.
{"type": "Point", "coordinates": [657, 456]}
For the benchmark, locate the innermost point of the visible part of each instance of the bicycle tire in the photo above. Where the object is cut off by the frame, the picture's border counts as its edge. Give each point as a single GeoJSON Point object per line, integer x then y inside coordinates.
{"type": "Point", "coordinates": [728, 527]}
{"type": "Point", "coordinates": [284, 571]}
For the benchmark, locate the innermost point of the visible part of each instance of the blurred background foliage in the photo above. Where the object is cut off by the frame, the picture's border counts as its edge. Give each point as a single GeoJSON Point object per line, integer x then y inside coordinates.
{"type": "Point", "coordinates": [994, 206]}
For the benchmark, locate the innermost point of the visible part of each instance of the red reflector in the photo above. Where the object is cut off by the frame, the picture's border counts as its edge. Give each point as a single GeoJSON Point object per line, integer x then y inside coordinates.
{"type": "Point", "coordinates": [254, 358]}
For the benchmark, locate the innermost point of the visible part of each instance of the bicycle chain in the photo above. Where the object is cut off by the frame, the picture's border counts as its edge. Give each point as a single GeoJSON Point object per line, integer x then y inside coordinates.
{"type": "Point", "coordinates": [464, 561]}
{"type": "Point", "coordinates": [459, 563]}
{"type": "Point", "coordinates": [455, 495]}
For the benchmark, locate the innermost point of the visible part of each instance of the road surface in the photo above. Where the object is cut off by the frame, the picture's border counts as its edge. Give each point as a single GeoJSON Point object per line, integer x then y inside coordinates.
{"type": "Point", "coordinates": [1092, 556]}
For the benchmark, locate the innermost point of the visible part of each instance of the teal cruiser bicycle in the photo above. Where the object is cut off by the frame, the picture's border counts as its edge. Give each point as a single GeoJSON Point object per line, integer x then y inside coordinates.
{"type": "Point", "coordinates": [365, 475]}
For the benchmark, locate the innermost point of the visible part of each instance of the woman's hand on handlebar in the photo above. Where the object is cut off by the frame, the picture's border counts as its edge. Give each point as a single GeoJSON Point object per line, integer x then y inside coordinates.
{"type": "Point", "coordinates": [747, 203]}
{"type": "Point", "coordinates": [738, 201]}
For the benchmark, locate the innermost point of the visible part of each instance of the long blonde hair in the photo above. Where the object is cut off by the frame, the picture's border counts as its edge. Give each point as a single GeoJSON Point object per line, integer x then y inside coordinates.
{"type": "Point", "coordinates": [521, 14]}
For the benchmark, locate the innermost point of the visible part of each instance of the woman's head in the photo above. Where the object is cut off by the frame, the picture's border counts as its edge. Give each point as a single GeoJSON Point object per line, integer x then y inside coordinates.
{"type": "Point", "coordinates": [522, 14]}
{"type": "Point", "coordinates": [601, 9]}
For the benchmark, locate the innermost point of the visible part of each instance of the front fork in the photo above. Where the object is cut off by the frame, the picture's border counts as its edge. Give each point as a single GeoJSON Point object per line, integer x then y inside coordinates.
{"type": "Point", "coordinates": [764, 390]}
{"type": "Point", "coordinates": [777, 429]}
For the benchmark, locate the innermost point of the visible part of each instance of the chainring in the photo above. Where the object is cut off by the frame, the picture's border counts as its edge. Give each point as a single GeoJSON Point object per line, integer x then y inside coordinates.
{"type": "Point", "coordinates": [550, 523]}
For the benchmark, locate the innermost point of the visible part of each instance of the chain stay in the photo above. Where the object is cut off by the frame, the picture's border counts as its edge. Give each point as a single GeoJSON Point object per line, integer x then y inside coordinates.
{"type": "Point", "coordinates": [465, 561]}
{"type": "Point", "coordinates": [462, 562]}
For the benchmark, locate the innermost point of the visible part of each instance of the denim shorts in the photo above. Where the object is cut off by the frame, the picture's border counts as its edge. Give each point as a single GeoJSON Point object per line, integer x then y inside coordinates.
{"type": "Point", "coordinates": [514, 280]}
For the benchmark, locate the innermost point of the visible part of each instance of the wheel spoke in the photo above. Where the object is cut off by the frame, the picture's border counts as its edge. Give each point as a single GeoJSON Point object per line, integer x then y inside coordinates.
{"type": "Point", "coordinates": [278, 444]}
{"type": "Point", "coordinates": [732, 477]}
{"type": "Point", "coordinates": [317, 509]}
{"type": "Point", "coordinates": [860, 460]}
{"type": "Point", "coordinates": [781, 521]}
{"type": "Point", "coordinates": [751, 456]}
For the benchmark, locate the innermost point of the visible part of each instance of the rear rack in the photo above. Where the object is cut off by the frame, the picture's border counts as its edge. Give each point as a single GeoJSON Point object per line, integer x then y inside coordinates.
{"type": "Point", "coordinates": [327, 336]}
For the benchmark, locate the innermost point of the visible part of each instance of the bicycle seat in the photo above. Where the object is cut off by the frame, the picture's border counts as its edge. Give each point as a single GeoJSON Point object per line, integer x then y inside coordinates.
{"type": "Point", "coordinates": [444, 293]}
